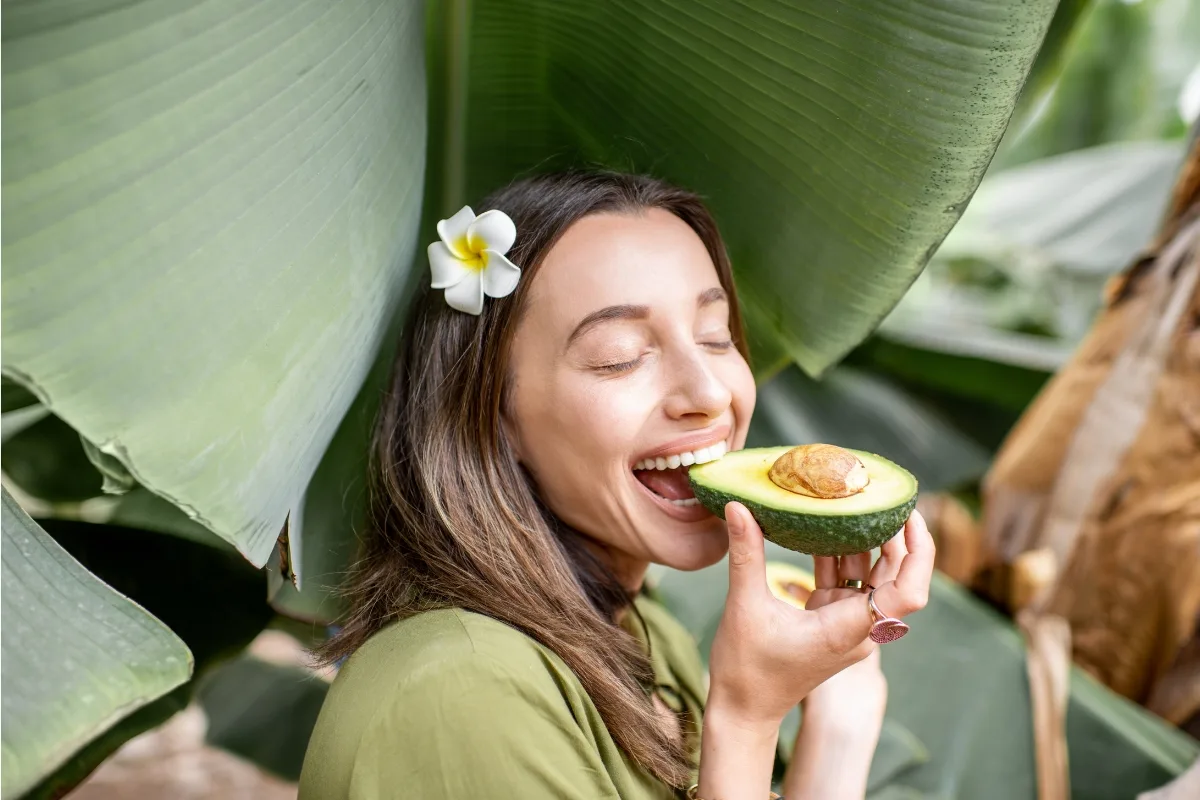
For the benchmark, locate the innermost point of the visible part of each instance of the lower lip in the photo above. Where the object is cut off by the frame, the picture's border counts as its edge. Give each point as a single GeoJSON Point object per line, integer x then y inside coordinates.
{"type": "Point", "coordinates": [683, 513]}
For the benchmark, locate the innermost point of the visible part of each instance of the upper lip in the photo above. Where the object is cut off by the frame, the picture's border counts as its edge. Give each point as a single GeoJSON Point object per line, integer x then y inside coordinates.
{"type": "Point", "coordinates": [693, 441]}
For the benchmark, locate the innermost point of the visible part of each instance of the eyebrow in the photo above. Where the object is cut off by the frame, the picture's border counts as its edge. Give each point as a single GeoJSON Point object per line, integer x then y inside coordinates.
{"type": "Point", "coordinates": [706, 298]}
{"type": "Point", "coordinates": [606, 314]}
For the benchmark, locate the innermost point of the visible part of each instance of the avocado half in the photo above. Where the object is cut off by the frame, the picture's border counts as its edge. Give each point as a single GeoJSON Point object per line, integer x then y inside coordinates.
{"type": "Point", "coordinates": [789, 583]}
{"type": "Point", "coordinates": [835, 527]}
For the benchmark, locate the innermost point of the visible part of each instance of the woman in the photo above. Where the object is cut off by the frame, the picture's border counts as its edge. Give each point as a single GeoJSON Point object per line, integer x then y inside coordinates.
{"type": "Point", "coordinates": [498, 642]}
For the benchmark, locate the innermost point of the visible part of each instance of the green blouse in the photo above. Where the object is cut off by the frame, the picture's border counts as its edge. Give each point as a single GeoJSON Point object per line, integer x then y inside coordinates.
{"type": "Point", "coordinates": [452, 705]}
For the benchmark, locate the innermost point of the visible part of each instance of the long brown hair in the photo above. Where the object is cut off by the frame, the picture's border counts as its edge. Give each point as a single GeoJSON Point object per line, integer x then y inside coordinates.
{"type": "Point", "coordinates": [455, 521]}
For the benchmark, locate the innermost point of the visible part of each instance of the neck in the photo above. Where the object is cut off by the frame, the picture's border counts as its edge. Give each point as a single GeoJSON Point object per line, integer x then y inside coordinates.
{"type": "Point", "coordinates": [628, 569]}
{"type": "Point", "coordinates": [610, 577]}
{"type": "Point", "coordinates": [631, 572]}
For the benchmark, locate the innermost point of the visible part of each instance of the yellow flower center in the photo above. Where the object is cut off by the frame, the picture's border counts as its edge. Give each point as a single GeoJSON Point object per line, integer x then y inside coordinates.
{"type": "Point", "coordinates": [476, 258]}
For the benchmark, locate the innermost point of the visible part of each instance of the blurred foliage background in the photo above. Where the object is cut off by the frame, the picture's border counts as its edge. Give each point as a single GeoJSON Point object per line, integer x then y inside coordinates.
{"type": "Point", "coordinates": [1074, 192]}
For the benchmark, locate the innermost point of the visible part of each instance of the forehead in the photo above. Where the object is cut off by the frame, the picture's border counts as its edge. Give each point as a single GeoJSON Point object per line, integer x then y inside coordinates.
{"type": "Point", "coordinates": [649, 257]}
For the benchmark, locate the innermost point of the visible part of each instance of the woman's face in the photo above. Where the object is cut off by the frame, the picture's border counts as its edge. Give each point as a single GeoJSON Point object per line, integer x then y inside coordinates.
{"type": "Point", "coordinates": [622, 360]}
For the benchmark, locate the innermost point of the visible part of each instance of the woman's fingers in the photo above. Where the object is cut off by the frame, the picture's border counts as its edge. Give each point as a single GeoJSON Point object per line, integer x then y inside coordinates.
{"type": "Point", "coordinates": [747, 556]}
{"type": "Point", "coordinates": [891, 555]}
{"type": "Point", "coordinates": [845, 624]}
{"type": "Point", "coordinates": [910, 590]}
{"type": "Point", "coordinates": [825, 572]}
{"type": "Point", "coordinates": [854, 567]}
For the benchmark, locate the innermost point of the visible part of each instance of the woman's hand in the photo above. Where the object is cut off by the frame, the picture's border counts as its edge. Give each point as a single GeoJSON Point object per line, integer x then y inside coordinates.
{"type": "Point", "coordinates": [854, 699]}
{"type": "Point", "coordinates": [844, 715]}
{"type": "Point", "coordinates": [767, 655]}
{"type": "Point", "coordinates": [838, 734]}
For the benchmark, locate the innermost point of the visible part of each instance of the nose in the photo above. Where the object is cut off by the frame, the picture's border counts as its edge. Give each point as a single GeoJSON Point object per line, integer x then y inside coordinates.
{"type": "Point", "coordinates": [696, 391]}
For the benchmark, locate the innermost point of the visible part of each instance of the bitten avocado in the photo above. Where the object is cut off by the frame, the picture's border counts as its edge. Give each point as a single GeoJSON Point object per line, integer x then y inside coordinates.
{"type": "Point", "coordinates": [823, 526]}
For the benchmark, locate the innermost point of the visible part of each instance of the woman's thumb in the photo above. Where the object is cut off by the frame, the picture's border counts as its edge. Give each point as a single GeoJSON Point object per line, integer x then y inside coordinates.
{"type": "Point", "coordinates": [747, 558]}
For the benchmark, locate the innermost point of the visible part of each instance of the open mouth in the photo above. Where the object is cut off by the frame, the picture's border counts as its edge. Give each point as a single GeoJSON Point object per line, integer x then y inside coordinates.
{"type": "Point", "coordinates": [666, 476]}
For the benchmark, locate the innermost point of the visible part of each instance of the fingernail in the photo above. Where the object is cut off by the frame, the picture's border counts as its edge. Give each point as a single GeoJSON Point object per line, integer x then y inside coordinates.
{"type": "Point", "coordinates": [733, 520]}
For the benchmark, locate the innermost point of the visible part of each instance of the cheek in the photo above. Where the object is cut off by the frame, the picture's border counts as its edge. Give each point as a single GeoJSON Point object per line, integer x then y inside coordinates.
{"type": "Point", "coordinates": [744, 393]}
{"type": "Point", "coordinates": [575, 431]}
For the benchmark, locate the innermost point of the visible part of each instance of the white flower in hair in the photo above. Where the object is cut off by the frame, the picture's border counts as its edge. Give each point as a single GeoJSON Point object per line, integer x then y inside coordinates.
{"type": "Point", "coordinates": [468, 261]}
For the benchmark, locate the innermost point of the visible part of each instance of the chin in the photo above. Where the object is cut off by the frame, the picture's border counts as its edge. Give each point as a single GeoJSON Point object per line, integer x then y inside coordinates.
{"type": "Point", "coordinates": [705, 544]}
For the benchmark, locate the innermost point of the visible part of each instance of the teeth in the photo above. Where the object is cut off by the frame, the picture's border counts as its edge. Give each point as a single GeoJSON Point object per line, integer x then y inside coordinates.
{"type": "Point", "coordinates": [701, 456]}
{"type": "Point", "coordinates": [691, 501]}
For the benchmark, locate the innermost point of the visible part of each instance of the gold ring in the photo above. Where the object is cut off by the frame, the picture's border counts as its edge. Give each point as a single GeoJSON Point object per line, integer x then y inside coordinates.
{"type": "Point", "coordinates": [852, 583]}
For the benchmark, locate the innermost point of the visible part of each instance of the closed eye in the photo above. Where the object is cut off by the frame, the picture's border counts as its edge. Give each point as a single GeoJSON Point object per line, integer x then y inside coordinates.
{"type": "Point", "coordinates": [622, 366]}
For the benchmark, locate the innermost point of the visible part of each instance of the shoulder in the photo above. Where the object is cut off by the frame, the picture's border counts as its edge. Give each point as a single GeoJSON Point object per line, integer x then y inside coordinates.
{"type": "Point", "coordinates": [444, 647]}
{"type": "Point", "coordinates": [453, 704]}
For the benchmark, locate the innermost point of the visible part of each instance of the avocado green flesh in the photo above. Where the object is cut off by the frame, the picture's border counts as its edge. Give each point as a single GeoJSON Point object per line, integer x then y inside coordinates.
{"type": "Point", "coordinates": [835, 527]}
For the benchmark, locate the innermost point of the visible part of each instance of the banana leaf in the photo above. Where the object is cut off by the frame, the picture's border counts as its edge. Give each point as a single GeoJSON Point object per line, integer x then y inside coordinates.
{"type": "Point", "coordinates": [837, 142]}
{"type": "Point", "coordinates": [210, 212]}
{"type": "Point", "coordinates": [14, 396]}
{"type": "Point", "coordinates": [208, 596]}
{"type": "Point", "coordinates": [77, 656]}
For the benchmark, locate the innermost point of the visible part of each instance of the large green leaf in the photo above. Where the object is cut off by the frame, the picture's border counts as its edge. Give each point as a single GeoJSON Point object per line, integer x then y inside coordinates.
{"type": "Point", "coordinates": [208, 596]}
{"type": "Point", "coordinates": [837, 141]}
{"type": "Point", "coordinates": [14, 396]}
{"type": "Point", "coordinates": [192, 581]}
{"type": "Point", "coordinates": [325, 542]}
{"type": "Point", "coordinates": [78, 657]}
{"type": "Point", "coordinates": [84, 762]}
{"type": "Point", "coordinates": [140, 509]}
{"type": "Point", "coordinates": [209, 214]}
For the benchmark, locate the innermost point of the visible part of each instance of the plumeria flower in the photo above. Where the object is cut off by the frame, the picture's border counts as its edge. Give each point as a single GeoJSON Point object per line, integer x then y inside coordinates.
{"type": "Point", "coordinates": [468, 261]}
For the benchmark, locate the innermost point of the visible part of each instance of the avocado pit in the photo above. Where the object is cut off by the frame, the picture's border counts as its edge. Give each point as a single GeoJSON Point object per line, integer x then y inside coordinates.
{"type": "Point", "coordinates": [823, 471]}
